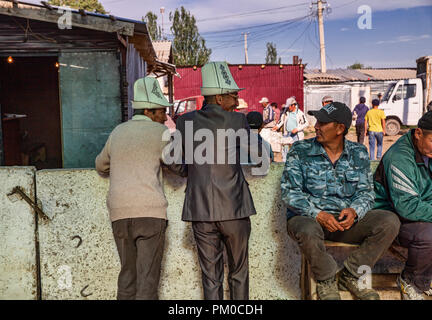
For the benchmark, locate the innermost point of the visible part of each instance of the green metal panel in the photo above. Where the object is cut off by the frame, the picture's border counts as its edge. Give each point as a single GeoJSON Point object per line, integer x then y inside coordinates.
{"type": "Point", "coordinates": [18, 272]}
{"type": "Point", "coordinates": [90, 103]}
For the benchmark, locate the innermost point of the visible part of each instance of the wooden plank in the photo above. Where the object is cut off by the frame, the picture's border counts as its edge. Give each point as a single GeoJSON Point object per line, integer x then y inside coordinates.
{"type": "Point", "coordinates": [384, 280]}
{"type": "Point", "coordinates": [304, 278]}
{"type": "Point", "coordinates": [329, 243]}
{"type": "Point", "coordinates": [87, 22]}
{"type": "Point", "coordinates": [46, 5]}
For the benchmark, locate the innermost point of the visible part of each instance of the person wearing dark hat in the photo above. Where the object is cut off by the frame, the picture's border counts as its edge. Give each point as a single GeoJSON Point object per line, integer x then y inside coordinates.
{"type": "Point", "coordinates": [359, 112]}
{"type": "Point", "coordinates": [328, 189]}
{"type": "Point", "coordinates": [375, 124]}
{"type": "Point", "coordinates": [132, 159]}
{"type": "Point", "coordinates": [403, 184]}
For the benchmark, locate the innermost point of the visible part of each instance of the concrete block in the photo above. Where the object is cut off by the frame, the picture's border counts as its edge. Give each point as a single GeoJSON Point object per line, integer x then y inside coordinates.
{"type": "Point", "coordinates": [18, 271]}
{"type": "Point", "coordinates": [75, 202]}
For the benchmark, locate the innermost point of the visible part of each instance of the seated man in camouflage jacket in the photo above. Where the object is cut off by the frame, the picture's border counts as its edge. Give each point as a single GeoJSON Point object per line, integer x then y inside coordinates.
{"type": "Point", "coordinates": [327, 186]}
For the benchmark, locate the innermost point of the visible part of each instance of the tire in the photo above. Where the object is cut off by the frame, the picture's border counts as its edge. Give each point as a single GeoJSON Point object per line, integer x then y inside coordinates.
{"type": "Point", "coordinates": [392, 127]}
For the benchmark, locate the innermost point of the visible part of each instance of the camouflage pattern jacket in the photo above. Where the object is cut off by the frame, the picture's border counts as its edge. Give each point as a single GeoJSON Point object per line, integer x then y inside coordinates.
{"type": "Point", "coordinates": [311, 183]}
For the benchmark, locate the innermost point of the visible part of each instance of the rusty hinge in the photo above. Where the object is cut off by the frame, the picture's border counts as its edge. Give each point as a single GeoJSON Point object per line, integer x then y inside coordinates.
{"type": "Point", "coordinates": [18, 190]}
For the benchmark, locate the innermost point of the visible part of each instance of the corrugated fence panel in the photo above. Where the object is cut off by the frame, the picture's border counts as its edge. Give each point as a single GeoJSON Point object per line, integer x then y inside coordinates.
{"type": "Point", "coordinates": [273, 82]}
{"type": "Point", "coordinates": [18, 272]}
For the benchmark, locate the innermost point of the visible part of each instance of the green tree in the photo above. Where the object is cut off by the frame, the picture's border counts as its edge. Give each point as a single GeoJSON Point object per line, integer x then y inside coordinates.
{"type": "Point", "coordinates": [188, 46]}
{"type": "Point", "coordinates": [356, 65]}
{"type": "Point", "coordinates": [152, 26]}
{"type": "Point", "coordinates": [271, 56]}
{"type": "Point", "coordinates": [87, 5]}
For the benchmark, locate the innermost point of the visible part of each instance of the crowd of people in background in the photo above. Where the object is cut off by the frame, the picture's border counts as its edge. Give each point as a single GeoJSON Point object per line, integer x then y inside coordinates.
{"type": "Point", "coordinates": [327, 186]}
{"type": "Point", "coordinates": [284, 126]}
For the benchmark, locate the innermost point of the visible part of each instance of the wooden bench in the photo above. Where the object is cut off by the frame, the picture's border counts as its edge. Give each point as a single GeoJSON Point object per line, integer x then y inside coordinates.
{"type": "Point", "coordinates": [385, 281]}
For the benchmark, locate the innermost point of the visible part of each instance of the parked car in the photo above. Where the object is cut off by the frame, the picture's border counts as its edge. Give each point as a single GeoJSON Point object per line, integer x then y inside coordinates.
{"type": "Point", "coordinates": [187, 105]}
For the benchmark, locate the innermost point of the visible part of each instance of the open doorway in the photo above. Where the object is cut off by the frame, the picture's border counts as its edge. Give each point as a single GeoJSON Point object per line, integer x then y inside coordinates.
{"type": "Point", "coordinates": [30, 111]}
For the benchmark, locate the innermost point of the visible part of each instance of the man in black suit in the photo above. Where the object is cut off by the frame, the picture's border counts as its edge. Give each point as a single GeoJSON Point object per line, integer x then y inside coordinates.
{"type": "Point", "coordinates": [218, 201]}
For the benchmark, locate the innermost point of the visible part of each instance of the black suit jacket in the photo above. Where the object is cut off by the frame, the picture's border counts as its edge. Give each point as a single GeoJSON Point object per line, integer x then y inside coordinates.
{"type": "Point", "coordinates": [215, 192]}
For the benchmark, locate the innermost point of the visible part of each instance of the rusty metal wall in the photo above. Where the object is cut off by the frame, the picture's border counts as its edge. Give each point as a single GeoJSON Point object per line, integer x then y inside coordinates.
{"type": "Point", "coordinates": [273, 82]}
{"type": "Point", "coordinates": [18, 272]}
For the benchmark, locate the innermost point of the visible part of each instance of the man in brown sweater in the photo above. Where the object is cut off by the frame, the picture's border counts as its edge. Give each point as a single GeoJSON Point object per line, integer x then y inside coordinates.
{"type": "Point", "coordinates": [136, 202]}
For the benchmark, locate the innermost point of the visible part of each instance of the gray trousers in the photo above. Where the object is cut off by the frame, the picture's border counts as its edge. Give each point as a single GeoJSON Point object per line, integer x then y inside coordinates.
{"type": "Point", "coordinates": [140, 243]}
{"type": "Point", "coordinates": [211, 237]}
{"type": "Point", "coordinates": [375, 233]}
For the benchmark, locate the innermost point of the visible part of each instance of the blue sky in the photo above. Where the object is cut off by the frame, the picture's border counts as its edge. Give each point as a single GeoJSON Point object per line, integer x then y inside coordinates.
{"type": "Point", "coordinates": [401, 30]}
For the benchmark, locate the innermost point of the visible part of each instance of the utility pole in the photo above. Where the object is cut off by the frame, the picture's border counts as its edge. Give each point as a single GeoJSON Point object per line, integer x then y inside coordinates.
{"type": "Point", "coordinates": [321, 35]}
{"type": "Point", "coordinates": [162, 10]}
{"type": "Point", "coordinates": [245, 46]}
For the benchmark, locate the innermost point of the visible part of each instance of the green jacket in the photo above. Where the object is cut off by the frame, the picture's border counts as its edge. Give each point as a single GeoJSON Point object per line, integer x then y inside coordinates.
{"type": "Point", "coordinates": [310, 183]}
{"type": "Point", "coordinates": [403, 183]}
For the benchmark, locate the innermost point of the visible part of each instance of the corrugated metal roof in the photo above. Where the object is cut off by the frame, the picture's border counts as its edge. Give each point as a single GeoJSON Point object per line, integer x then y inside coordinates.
{"type": "Point", "coordinates": [390, 74]}
{"type": "Point", "coordinates": [336, 75]}
{"type": "Point", "coordinates": [321, 77]}
{"type": "Point", "coordinates": [344, 75]}
{"type": "Point", "coordinates": [163, 50]}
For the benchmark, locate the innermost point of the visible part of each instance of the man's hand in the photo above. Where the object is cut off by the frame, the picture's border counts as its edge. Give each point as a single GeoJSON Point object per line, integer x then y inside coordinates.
{"type": "Point", "coordinates": [328, 221]}
{"type": "Point", "coordinates": [274, 128]}
{"type": "Point", "coordinates": [350, 215]}
{"type": "Point", "coordinates": [294, 131]}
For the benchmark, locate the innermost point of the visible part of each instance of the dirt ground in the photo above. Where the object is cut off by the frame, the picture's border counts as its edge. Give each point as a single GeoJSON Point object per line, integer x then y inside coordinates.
{"type": "Point", "coordinates": [388, 140]}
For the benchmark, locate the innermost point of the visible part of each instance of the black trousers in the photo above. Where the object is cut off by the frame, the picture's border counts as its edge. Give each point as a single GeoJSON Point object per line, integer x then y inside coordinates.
{"type": "Point", "coordinates": [140, 243]}
{"type": "Point", "coordinates": [360, 132]}
{"type": "Point", "coordinates": [417, 237]}
{"type": "Point", "coordinates": [211, 237]}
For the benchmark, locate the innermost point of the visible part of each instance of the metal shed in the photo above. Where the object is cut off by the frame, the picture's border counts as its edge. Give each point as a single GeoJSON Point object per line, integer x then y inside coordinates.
{"type": "Point", "coordinates": [66, 80]}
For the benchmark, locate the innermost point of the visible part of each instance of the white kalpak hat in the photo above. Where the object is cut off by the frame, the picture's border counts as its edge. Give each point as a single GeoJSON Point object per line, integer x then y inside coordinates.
{"type": "Point", "coordinates": [217, 79]}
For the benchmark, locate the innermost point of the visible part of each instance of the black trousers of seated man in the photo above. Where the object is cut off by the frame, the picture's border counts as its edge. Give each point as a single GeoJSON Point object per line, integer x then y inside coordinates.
{"type": "Point", "coordinates": [211, 237]}
{"type": "Point", "coordinates": [140, 244]}
{"type": "Point", "coordinates": [417, 237]}
{"type": "Point", "coordinates": [374, 233]}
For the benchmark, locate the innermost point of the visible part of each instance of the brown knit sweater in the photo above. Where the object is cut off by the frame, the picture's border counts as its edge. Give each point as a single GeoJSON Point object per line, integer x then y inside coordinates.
{"type": "Point", "coordinates": [132, 159]}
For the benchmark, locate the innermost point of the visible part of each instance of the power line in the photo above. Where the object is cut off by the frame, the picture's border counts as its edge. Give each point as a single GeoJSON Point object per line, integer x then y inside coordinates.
{"type": "Point", "coordinates": [253, 12]}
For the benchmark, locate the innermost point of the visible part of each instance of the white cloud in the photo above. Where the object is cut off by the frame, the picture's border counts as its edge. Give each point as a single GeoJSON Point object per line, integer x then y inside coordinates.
{"type": "Point", "coordinates": [405, 38]}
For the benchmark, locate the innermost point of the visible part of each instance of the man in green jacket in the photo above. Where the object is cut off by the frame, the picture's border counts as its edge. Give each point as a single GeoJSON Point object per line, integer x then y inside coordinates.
{"type": "Point", "coordinates": [403, 184]}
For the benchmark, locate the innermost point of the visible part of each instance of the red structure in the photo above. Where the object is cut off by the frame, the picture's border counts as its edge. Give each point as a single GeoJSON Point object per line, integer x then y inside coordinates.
{"type": "Point", "coordinates": [276, 82]}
